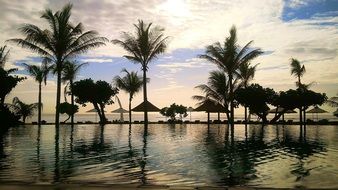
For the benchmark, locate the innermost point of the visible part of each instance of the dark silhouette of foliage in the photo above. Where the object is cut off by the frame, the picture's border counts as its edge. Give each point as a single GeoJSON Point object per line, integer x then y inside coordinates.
{"type": "Point", "coordinates": [130, 83]}
{"type": "Point", "coordinates": [4, 54]}
{"type": "Point", "coordinates": [216, 90]}
{"type": "Point", "coordinates": [173, 111]}
{"type": "Point", "coordinates": [143, 47]}
{"type": "Point", "coordinates": [98, 93]}
{"type": "Point", "coordinates": [39, 73]}
{"type": "Point", "coordinates": [59, 42]}
{"type": "Point", "coordinates": [228, 57]}
{"type": "Point", "coordinates": [7, 118]}
{"type": "Point", "coordinates": [297, 70]}
{"type": "Point", "coordinates": [7, 83]}
{"type": "Point", "coordinates": [69, 72]}
{"type": "Point", "coordinates": [256, 98]}
{"type": "Point", "coordinates": [68, 109]}
{"type": "Point", "coordinates": [22, 109]}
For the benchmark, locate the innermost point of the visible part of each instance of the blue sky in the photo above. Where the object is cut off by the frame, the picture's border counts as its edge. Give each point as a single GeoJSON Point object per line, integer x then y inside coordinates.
{"type": "Point", "coordinates": [302, 29]}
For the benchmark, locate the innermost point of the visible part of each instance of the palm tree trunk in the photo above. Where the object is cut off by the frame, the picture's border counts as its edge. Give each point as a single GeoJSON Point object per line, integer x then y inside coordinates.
{"type": "Point", "coordinates": [300, 116]}
{"type": "Point", "coordinates": [58, 96]}
{"type": "Point", "coordinates": [231, 102]}
{"type": "Point", "coordinates": [98, 111]}
{"type": "Point", "coordinates": [246, 114]}
{"type": "Point", "coordinates": [145, 99]}
{"type": "Point", "coordinates": [72, 102]}
{"type": "Point", "coordinates": [304, 115]}
{"type": "Point", "coordinates": [129, 109]}
{"type": "Point", "coordinates": [104, 119]}
{"type": "Point", "coordinates": [39, 108]}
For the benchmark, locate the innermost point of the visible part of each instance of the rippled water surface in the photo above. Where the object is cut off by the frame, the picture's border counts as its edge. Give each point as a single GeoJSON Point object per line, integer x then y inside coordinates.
{"type": "Point", "coordinates": [185, 155]}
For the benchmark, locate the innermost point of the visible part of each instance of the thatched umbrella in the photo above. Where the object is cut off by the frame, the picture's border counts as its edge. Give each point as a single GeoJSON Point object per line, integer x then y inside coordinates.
{"type": "Point", "coordinates": [280, 109]}
{"type": "Point", "coordinates": [316, 110]}
{"type": "Point", "coordinates": [120, 111]}
{"type": "Point", "coordinates": [210, 107]}
{"type": "Point", "coordinates": [335, 113]}
{"type": "Point", "coordinates": [150, 107]}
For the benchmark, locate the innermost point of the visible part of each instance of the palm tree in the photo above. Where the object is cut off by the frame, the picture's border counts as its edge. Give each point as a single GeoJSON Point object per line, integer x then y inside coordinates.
{"type": "Point", "coordinates": [297, 70]}
{"type": "Point", "coordinates": [61, 41]}
{"type": "Point", "coordinates": [69, 73]}
{"type": "Point", "coordinates": [216, 90]}
{"type": "Point", "coordinates": [22, 109]}
{"type": "Point", "coordinates": [143, 47]}
{"type": "Point", "coordinates": [228, 58]}
{"type": "Point", "coordinates": [39, 73]}
{"type": "Point", "coordinates": [3, 56]}
{"type": "Point", "coordinates": [130, 83]}
{"type": "Point", "coordinates": [246, 73]}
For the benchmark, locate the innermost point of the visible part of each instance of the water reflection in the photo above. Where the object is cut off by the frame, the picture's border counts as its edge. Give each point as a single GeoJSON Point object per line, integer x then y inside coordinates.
{"type": "Point", "coordinates": [171, 154]}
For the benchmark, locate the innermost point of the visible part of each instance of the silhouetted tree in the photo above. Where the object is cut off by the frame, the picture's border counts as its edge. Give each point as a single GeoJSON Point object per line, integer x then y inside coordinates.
{"type": "Point", "coordinates": [297, 70]}
{"type": "Point", "coordinates": [98, 93]}
{"type": "Point", "coordinates": [216, 90]}
{"type": "Point", "coordinates": [173, 111]}
{"type": "Point", "coordinates": [7, 83]}
{"type": "Point", "coordinates": [68, 109]}
{"type": "Point", "coordinates": [228, 57]}
{"type": "Point", "coordinates": [130, 83]}
{"type": "Point", "coordinates": [246, 74]}
{"type": "Point", "coordinates": [22, 109]}
{"type": "Point", "coordinates": [69, 72]}
{"type": "Point", "coordinates": [257, 99]}
{"type": "Point", "coordinates": [39, 73]}
{"type": "Point", "coordinates": [142, 47]}
{"type": "Point", "coordinates": [61, 41]}
{"type": "Point", "coordinates": [4, 54]}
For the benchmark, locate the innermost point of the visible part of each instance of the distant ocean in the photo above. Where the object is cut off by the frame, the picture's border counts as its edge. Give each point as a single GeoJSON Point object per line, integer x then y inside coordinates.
{"type": "Point", "coordinates": [194, 116]}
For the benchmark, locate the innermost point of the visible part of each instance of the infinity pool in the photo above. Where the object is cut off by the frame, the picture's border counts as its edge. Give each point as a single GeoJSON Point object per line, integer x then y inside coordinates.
{"type": "Point", "coordinates": [183, 155]}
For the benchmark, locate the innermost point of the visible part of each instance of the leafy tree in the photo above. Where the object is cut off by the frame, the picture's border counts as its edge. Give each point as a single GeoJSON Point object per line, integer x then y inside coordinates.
{"type": "Point", "coordinates": [98, 93]}
{"type": "Point", "coordinates": [7, 83]}
{"type": "Point", "coordinates": [246, 74]}
{"type": "Point", "coordinates": [173, 111]}
{"type": "Point", "coordinates": [228, 57]}
{"type": "Point", "coordinates": [257, 99]}
{"type": "Point", "coordinates": [59, 42]}
{"type": "Point", "coordinates": [130, 83]}
{"type": "Point", "coordinates": [300, 99]}
{"type": "Point", "coordinates": [3, 56]}
{"type": "Point", "coordinates": [39, 73]}
{"type": "Point", "coordinates": [22, 109]}
{"type": "Point", "coordinates": [216, 90]}
{"type": "Point", "coordinates": [7, 119]}
{"type": "Point", "coordinates": [69, 73]}
{"type": "Point", "coordinates": [143, 47]}
{"type": "Point", "coordinates": [68, 109]}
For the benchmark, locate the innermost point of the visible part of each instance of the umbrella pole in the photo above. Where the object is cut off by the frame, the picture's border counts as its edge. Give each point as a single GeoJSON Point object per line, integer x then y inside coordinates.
{"type": "Point", "coordinates": [190, 116]}
{"type": "Point", "coordinates": [208, 117]}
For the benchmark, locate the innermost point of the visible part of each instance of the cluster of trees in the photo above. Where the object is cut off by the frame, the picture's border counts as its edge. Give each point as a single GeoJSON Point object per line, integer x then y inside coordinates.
{"type": "Point", "coordinates": [174, 111]}
{"type": "Point", "coordinates": [229, 85]}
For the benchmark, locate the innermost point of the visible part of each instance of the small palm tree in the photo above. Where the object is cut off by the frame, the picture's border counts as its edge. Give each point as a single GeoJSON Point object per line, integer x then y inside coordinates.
{"type": "Point", "coordinates": [69, 73]}
{"type": "Point", "coordinates": [61, 41]}
{"type": "Point", "coordinates": [22, 109]}
{"type": "Point", "coordinates": [3, 56]}
{"type": "Point", "coordinates": [130, 83]}
{"type": "Point", "coordinates": [246, 73]}
{"type": "Point", "coordinates": [216, 90]}
{"type": "Point", "coordinates": [143, 47]}
{"type": "Point", "coordinates": [39, 73]}
{"type": "Point", "coordinates": [297, 70]}
{"type": "Point", "coordinates": [228, 57]}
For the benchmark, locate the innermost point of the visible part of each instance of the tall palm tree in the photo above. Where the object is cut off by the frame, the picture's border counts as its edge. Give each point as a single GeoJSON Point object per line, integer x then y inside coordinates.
{"type": "Point", "coordinates": [246, 73]}
{"type": "Point", "coordinates": [39, 73]}
{"type": "Point", "coordinates": [3, 56]}
{"type": "Point", "coordinates": [216, 90]}
{"type": "Point", "coordinates": [22, 109]}
{"type": "Point", "coordinates": [297, 70]}
{"type": "Point", "coordinates": [69, 73]}
{"type": "Point", "coordinates": [61, 41]}
{"type": "Point", "coordinates": [130, 83]}
{"type": "Point", "coordinates": [228, 57]}
{"type": "Point", "coordinates": [143, 47]}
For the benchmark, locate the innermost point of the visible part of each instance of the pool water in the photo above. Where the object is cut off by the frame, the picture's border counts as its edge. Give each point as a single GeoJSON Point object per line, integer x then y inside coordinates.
{"type": "Point", "coordinates": [182, 155]}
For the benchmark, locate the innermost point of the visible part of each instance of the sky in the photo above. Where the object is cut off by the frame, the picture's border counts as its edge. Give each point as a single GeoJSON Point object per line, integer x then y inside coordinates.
{"type": "Point", "coordinates": [303, 29]}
